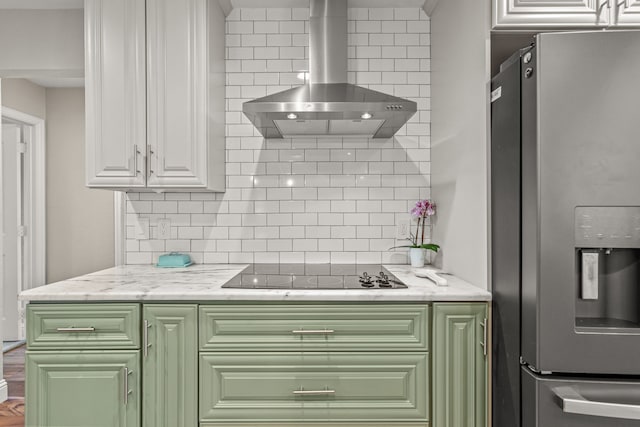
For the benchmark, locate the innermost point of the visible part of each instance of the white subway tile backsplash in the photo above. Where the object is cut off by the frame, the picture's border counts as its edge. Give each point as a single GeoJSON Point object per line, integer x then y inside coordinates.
{"type": "Point", "coordinates": [313, 200]}
{"type": "Point", "coordinates": [279, 40]}
{"type": "Point", "coordinates": [257, 14]}
{"type": "Point", "coordinates": [292, 27]}
{"type": "Point", "coordinates": [395, 27]}
{"type": "Point", "coordinates": [358, 14]}
{"type": "Point", "coordinates": [381, 14]}
{"type": "Point", "coordinates": [240, 27]}
{"type": "Point", "coordinates": [368, 26]}
{"type": "Point", "coordinates": [278, 14]}
{"type": "Point", "coordinates": [265, 27]}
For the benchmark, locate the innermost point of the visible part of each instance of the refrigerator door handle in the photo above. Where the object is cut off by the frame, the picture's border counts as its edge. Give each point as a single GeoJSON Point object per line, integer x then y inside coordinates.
{"type": "Point", "coordinates": [573, 402]}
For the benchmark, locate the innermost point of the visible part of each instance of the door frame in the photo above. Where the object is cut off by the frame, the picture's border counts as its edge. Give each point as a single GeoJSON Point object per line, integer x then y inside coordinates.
{"type": "Point", "coordinates": [34, 274]}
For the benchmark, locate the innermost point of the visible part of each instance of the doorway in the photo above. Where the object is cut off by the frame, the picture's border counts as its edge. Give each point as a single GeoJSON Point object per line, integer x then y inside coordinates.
{"type": "Point", "coordinates": [23, 216]}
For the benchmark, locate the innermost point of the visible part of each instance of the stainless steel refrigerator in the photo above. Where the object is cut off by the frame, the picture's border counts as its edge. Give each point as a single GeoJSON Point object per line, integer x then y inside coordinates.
{"type": "Point", "coordinates": [565, 219]}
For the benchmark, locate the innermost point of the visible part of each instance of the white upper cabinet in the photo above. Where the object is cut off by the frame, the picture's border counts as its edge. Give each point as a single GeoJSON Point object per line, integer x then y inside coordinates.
{"type": "Point", "coordinates": [166, 63]}
{"type": "Point", "coordinates": [115, 92]}
{"type": "Point", "coordinates": [564, 14]}
{"type": "Point", "coordinates": [628, 14]}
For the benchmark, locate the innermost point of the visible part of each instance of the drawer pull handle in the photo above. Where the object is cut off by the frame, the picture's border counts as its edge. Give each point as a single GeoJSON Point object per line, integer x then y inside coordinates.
{"type": "Point", "coordinates": [73, 329]}
{"type": "Point", "coordinates": [303, 392]}
{"type": "Point", "coordinates": [313, 331]}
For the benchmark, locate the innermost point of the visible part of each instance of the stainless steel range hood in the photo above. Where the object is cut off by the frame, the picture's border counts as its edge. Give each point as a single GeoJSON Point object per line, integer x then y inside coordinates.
{"type": "Point", "coordinates": [328, 105]}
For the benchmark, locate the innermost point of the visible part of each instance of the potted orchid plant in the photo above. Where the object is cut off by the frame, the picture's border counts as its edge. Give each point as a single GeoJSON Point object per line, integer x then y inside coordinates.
{"type": "Point", "coordinates": [418, 248]}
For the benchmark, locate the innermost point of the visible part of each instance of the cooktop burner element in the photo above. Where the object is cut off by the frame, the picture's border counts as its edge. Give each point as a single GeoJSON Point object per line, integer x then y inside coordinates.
{"type": "Point", "coordinates": [315, 276]}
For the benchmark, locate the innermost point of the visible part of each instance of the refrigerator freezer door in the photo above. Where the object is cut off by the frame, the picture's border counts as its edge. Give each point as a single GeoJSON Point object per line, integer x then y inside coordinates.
{"type": "Point", "coordinates": [580, 148]}
{"type": "Point", "coordinates": [570, 402]}
{"type": "Point", "coordinates": [505, 229]}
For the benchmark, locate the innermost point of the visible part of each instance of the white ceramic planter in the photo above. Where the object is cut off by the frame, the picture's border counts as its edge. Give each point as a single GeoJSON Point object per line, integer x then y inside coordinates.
{"type": "Point", "coordinates": [417, 256]}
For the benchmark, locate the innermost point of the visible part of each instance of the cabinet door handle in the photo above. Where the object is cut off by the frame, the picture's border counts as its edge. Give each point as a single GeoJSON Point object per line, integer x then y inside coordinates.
{"type": "Point", "coordinates": [127, 392]}
{"type": "Point", "coordinates": [145, 336]}
{"type": "Point", "coordinates": [303, 392]}
{"type": "Point", "coordinates": [149, 153]}
{"type": "Point", "coordinates": [135, 159]}
{"type": "Point", "coordinates": [313, 331]}
{"type": "Point", "coordinates": [483, 343]}
{"type": "Point", "coordinates": [74, 329]}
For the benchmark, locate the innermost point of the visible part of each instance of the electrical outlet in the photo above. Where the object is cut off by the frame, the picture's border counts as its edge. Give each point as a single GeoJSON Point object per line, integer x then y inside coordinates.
{"type": "Point", "coordinates": [402, 229]}
{"type": "Point", "coordinates": [164, 228]}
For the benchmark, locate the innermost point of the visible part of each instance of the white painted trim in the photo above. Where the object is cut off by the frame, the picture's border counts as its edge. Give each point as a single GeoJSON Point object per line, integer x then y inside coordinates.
{"type": "Point", "coordinates": [4, 390]}
{"type": "Point", "coordinates": [37, 224]}
{"type": "Point", "coordinates": [4, 387]}
{"type": "Point", "coordinates": [35, 262]}
{"type": "Point", "coordinates": [119, 225]}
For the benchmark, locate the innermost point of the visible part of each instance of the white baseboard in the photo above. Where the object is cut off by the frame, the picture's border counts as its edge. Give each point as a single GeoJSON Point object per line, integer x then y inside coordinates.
{"type": "Point", "coordinates": [4, 390]}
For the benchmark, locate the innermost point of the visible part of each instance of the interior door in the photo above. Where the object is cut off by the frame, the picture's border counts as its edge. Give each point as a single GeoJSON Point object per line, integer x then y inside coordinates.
{"type": "Point", "coordinates": [12, 178]}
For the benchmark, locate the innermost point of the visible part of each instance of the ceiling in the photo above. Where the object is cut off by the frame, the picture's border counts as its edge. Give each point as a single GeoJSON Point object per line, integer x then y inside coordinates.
{"type": "Point", "coordinates": [65, 82]}
{"type": "Point", "coordinates": [305, 3]}
{"type": "Point", "coordinates": [41, 4]}
{"type": "Point", "coordinates": [78, 4]}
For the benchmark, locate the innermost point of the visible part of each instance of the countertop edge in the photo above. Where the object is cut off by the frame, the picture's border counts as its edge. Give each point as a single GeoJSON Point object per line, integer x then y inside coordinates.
{"type": "Point", "coordinates": [202, 284]}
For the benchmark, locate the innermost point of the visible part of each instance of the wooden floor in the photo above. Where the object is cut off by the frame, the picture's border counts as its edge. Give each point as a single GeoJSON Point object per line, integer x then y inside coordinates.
{"type": "Point", "coordinates": [12, 411]}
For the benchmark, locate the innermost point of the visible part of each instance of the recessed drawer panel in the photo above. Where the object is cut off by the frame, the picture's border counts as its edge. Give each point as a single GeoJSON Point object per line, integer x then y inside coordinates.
{"type": "Point", "coordinates": [383, 327]}
{"type": "Point", "coordinates": [272, 387]}
{"type": "Point", "coordinates": [83, 326]}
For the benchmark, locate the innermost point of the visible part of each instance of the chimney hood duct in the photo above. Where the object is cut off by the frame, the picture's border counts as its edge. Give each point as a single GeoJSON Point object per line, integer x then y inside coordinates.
{"type": "Point", "coordinates": [328, 105]}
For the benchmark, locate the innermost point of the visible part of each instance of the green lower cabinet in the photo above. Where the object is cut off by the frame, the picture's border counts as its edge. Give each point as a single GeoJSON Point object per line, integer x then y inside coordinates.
{"type": "Point", "coordinates": [83, 389]}
{"type": "Point", "coordinates": [294, 388]}
{"type": "Point", "coordinates": [170, 365]}
{"type": "Point", "coordinates": [459, 365]}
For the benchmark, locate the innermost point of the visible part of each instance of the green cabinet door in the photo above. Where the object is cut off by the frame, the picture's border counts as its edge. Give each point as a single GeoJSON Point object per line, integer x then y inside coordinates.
{"type": "Point", "coordinates": [170, 365]}
{"type": "Point", "coordinates": [83, 389]}
{"type": "Point", "coordinates": [459, 365]}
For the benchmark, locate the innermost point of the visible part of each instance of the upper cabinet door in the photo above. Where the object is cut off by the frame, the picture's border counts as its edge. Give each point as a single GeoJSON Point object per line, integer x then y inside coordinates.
{"type": "Point", "coordinates": [628, 13]}
{"type": "Point", "coordinates": [532, 14]}
{"type": "Point", "coordinates": [177, 60]}
{"type": "Point", "coordinates": [115, 93]}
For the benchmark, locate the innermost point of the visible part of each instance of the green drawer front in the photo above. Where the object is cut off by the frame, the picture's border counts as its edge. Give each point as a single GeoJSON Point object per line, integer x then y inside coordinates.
{"type": "Point", "coordinates": [367, 387]}
{"type": "Point", "coordinates": [83, 326]}
{"type": "Point", "coordinates": [383, 327]}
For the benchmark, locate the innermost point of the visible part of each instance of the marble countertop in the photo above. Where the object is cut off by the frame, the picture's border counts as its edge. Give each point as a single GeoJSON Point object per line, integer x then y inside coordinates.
{"type": "Point", "coordinates": [204, 283]}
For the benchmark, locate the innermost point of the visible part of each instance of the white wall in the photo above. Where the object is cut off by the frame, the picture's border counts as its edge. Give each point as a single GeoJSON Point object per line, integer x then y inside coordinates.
{"type": "Point", "coordinates": [305, 200]}
{"type": "Point", "coordinates": [80, 221]}
{"type": "Point", "coordinates": [460, 31]}
{"type": "Point", "coordinates": [24, 96]}
{"type": "Point", "coordinates": [41, 43]}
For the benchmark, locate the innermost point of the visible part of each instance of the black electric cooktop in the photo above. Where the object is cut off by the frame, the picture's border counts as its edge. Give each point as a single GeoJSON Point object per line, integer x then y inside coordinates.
{"type": "Point", "coordinates": [315, 276]}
